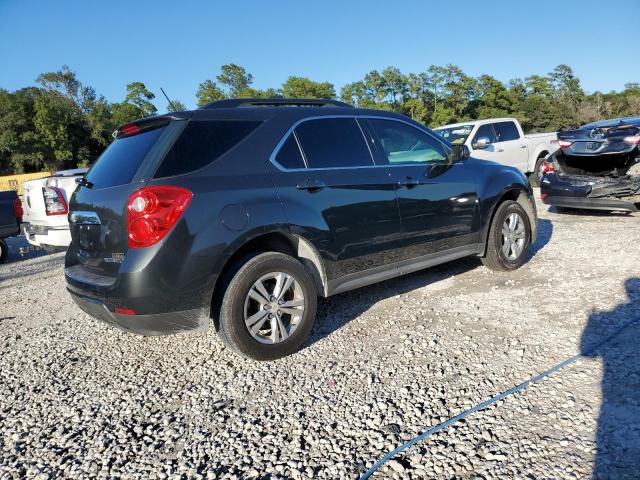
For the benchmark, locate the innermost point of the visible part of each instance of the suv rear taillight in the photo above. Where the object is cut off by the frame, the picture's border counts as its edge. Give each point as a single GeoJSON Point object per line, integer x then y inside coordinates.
{"type": "Point", "coordinates": [152, 211]}
{"type": "Point", "coordinates": [17, 208]}
{"type": "Point", "coordinates": [564, 143]}
{"type": "Point", "coordinates": [54, 202]}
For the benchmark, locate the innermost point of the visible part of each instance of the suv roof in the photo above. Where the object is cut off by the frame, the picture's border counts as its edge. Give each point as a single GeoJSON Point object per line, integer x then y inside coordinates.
{"type": "Point", "coordinates": [275, 102]}
{"type": "Point", "coordinates": [268, 108]}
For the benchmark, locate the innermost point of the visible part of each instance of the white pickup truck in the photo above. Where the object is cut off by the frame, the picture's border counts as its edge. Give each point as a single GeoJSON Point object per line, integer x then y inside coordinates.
{"type": "Point", "coordinates": [502, 140]}
{"type": "Point", "coordinates": [46, 205]}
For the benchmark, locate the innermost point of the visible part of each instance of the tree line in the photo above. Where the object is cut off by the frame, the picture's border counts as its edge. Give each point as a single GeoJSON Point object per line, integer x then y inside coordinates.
{"type": "Point", "coordinates": [61, 123]}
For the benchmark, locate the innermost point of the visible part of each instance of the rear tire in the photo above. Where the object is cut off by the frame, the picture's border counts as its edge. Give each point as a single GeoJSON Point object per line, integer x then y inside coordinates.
{"type": "Point", "coordinates": [268, 308]}
{"type": "Point", "coordinates": [4, 250]}
{"type": "Point", "coordinates": [534, 177]}
{"type": "Point", "coordinates": [509, 238]}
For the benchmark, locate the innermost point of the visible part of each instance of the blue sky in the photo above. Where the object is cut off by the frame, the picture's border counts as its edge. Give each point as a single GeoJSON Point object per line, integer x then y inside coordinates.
{"type": "Point", "coordinates": [178, 44]}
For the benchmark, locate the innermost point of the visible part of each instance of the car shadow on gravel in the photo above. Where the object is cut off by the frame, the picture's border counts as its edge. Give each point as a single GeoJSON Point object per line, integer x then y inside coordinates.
{"type": "Point", "coordinates": [543, 237]}
{"type": "Point", "coordinates": [15, 244]}
{"type": "Point", "coordinates": [337, 311]}
{"type": "Point", "coordinates": [618, 433]}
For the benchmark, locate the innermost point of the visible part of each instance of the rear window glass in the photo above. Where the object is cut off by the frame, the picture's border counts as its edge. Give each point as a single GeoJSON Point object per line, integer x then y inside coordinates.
{"type": "Point", "coordinates": [335, 142]}
{"type": "Point", "coordinates": [289, 155]}
{"type": "Point", "coordinates": [201, 143]}
{"type": "Point", "coordinates": [506, 131]}
{"type": "Point", "coordinates": [120, 162]}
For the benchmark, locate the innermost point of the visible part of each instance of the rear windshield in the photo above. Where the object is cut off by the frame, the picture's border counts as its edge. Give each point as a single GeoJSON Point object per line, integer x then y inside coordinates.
{"type": "Point", "coordinates": [203, 142]}
{"type": "Point", "coordinates": [120, 162]}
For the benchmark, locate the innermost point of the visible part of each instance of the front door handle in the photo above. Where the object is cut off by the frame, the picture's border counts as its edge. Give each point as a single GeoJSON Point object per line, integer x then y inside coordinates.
{"type": "Point", "coordinates": [500, 150]}
{"type": "Point", "coordinates": [311, 185]}
{"type": "Point", "coordinates": [523, 146]}
{"type": "Point", "coordinates": [408, 182]}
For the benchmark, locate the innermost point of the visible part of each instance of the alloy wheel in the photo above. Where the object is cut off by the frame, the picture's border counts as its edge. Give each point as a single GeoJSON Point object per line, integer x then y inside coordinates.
{"type": "Point", "coordinates": [513, 236]}
{"type": "Point", "coordinates": [273, 307]}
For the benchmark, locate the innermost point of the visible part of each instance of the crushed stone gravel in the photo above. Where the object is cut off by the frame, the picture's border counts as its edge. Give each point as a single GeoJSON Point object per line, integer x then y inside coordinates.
{"type": "Point", "coordinates": [81, 399]}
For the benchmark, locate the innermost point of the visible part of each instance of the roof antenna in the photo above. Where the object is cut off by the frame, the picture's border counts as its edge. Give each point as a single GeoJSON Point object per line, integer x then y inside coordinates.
{"type": "Point", "coordinates": [171, 104]}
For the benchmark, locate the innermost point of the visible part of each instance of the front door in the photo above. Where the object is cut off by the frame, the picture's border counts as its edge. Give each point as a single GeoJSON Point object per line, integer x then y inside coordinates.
{"type": "Point", "coordinates": [437, 199]}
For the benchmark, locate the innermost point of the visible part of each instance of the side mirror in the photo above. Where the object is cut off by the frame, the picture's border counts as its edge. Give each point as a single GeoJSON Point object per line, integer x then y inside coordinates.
{"type": "Point", "coordinates": [459, 153]}
{"type": "Point", "coordinates": [481, 143]}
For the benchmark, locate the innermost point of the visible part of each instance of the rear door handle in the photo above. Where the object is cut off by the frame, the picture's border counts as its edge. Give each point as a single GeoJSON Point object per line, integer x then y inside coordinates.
{"type": "Point", "coordinates": [311, 185]}
{"type": "Point", "coordinates": [408, 183]}
{"type": "Point", "coordinates": [523, 146]}
{"type": "Point", "coordinates": [500, 150]}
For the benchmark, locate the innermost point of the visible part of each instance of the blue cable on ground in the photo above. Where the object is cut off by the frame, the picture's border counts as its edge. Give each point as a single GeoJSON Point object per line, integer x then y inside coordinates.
{"type": "Point", "coordinates": [491, 401]}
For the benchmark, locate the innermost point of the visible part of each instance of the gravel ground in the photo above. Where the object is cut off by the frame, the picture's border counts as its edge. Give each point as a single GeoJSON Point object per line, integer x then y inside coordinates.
{"type": "Point", "coordinates": [79, 399]}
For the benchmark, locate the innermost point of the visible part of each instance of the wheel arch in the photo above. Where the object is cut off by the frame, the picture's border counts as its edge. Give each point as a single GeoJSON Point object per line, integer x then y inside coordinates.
{"type": "Point", "coordinates": [524, 198]}
{"type": "Point", "coordinates": [273, 241]}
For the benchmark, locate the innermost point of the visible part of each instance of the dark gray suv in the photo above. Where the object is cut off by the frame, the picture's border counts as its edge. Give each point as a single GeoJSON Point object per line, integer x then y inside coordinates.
{"type": "Point", "coordinates": [244, 211]}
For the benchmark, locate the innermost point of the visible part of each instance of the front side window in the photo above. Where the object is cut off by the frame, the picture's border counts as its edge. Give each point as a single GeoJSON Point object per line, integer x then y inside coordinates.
{"type": "Point", "coordinates": [485, 131]}
{"type": "Point", "coordinates": [404, 144]}
{"type": "Point", "coordinates": [203, 142]}
{"type": "Point", "coordinates": [506, 131]}
{"type": "Point", "coordinates": [333, 142]}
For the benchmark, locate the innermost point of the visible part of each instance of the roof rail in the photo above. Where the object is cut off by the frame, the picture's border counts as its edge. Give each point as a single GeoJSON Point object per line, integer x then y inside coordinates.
{"type": "Point", "coordinates": [276, 102]}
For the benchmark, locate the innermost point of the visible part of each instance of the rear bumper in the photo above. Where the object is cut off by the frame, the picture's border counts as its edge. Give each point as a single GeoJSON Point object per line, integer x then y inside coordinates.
{"type": "Point", "coordinates": [565, 192]}
{"type": "Point", "coordinates": [591, 203]}
{"type": "Point", "coordinates": [58, 237]}
{"type": "Point", "coordinates": [152, 324]}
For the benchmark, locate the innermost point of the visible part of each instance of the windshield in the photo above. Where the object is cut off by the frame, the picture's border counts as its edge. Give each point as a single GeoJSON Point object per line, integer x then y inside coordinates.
{"type": "Point", "coordinates": [455, 135]}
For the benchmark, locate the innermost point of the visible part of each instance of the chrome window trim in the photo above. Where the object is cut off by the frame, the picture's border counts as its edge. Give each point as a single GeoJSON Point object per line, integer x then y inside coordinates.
{"type": "Point", "coordinates": [290, 130]}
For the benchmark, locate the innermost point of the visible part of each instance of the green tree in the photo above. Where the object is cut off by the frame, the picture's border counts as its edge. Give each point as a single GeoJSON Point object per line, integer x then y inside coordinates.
{"type": "Point", "coordinates": [21, 148]}
{"type": "Point", "coordinates": [302, 87]}
{"type": "Point", "coordinates": [236, 79]}
{"type": "Point", "coordinates": [137, 104]}
{"type": "Point", "coordinates": [209, 92]}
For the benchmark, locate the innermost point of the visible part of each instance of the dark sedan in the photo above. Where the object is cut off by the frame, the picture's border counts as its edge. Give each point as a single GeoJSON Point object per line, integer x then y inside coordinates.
{"type": "Point", "coordinates": [597, 167]}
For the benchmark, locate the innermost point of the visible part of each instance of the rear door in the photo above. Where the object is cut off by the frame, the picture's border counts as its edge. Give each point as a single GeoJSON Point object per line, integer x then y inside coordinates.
{"type": "Point", "coordinates": [511, 146]}
{"type": "Point", "coordinates": [437, 200]}
{"type": "Point", "coordinates": [336, 197]}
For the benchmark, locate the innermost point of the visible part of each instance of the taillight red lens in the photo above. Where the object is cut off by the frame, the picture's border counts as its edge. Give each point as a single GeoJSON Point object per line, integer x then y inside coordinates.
{"type": "Point", "coordinates": [152, 211]}
{"type": "Point", "coordinates": [124, 311]}
{"type": "Point", "coordinates": [17, 208]}
{"type": "Point", "coordinates": [54, 202]}
{"type": "Point", "coordinates": [547, 167]}
{"type": "Point", "coordinates": [543, 195]}
{"type": "Point", "coordinates": [634, 140]}
{"type": "Point", "coordinates": [564, 143]}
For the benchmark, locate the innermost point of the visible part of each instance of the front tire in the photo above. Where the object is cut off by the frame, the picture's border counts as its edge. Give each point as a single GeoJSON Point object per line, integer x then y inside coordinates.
{"type": "Point", "coordinates": [268, 308]}
{"type": "Point", "coordinates": [4, 250]}
{"type": "Point", "coordinates": [509, 238]}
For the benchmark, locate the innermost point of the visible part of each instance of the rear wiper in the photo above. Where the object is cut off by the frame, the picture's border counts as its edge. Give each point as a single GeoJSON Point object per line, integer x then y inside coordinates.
{"type": "Point", "coordinates": [83, 182]}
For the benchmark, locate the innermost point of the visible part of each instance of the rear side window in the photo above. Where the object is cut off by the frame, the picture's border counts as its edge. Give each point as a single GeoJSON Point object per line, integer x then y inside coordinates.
{"type": "Point", "coordinates": [289, 155]}
{"type": "Point", "coordinates": [120, 162]}
{"type": "Point", "coordinates": [333, 142]}
{"type": "Point", "coordinates": [201, 143]}
{"type": "Point", "coordinates": [506, 131]}
{"type": "Point", "coordinates": [485, 131]}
